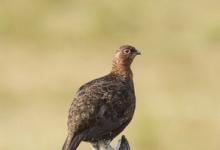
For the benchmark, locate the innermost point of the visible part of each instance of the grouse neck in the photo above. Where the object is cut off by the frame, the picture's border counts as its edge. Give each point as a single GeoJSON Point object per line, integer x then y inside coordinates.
{"type": "Point", "coordinates": [122, 70]}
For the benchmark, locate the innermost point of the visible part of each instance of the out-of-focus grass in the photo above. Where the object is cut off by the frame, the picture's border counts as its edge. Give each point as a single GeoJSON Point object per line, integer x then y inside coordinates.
{"type": "Point", "coordinates": [49, 48]}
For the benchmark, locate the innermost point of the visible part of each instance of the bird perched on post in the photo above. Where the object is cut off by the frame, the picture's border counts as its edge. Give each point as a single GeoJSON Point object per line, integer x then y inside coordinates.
{"type": "Point", "coordinates": [103, 107]}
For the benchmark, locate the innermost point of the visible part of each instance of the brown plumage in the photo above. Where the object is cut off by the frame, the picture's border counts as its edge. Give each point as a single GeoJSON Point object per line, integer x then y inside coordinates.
{"type": "Point", "coordinates": [103, 107]}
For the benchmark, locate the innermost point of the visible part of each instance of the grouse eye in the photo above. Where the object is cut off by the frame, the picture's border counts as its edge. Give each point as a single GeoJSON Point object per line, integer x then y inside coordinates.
{"type": "Point", "coordinates": [127, 51]}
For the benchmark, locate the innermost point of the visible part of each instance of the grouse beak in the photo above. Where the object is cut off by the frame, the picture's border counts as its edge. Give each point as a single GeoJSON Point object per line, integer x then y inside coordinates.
{"type": "Point", "coordinates": [138, 52]}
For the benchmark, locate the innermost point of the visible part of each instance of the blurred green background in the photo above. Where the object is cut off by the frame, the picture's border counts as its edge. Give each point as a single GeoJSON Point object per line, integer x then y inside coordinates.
{"type": "Point", "coordinates": [48, 48]}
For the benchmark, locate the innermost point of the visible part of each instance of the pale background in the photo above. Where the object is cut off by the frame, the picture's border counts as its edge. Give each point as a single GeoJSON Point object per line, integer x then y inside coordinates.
{"type": "Point", "coordinates": [48, 48]}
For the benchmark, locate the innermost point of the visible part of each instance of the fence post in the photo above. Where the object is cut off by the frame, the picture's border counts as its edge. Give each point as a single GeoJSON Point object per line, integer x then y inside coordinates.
{"type": "Point", "coordinates": [123, 144]}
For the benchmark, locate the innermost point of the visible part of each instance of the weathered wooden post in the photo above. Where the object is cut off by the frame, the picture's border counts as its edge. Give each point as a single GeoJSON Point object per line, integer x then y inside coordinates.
{"type": "Point", "coordinates": [123, 144]}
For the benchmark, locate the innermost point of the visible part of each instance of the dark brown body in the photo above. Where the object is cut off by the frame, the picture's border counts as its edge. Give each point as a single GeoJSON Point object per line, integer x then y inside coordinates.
{"type": "Point", "coordinates": [105, 110]}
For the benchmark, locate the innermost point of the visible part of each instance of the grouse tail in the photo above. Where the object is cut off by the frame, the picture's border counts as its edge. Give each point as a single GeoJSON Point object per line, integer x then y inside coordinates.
{"type": "Point", "coordinates": [72, 142]}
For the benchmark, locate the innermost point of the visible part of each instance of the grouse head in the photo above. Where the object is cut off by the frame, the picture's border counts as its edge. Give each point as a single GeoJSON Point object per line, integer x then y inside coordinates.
{"type": "Point", "coordinates": [125, 55]}
{"type": "Point", "coordinates": [123, 58]}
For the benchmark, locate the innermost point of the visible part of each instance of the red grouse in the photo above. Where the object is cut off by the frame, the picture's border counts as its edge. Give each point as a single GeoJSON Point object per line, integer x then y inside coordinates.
{"type": "Point", "coordinates": [103, 107]}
